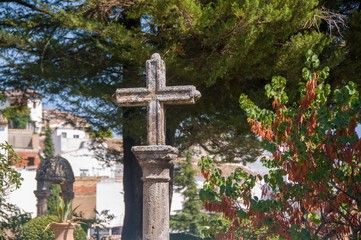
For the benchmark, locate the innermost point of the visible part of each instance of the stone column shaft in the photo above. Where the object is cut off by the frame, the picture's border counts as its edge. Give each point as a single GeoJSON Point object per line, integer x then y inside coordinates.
{"type": "Point", "coordinates": [42, 201]}
{"type": "Point", "coordinates": [156, 161]}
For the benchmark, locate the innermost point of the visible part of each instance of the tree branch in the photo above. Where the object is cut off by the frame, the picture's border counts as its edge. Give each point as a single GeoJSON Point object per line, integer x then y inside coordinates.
{"type": "Point", "coordinates": [28, 5]}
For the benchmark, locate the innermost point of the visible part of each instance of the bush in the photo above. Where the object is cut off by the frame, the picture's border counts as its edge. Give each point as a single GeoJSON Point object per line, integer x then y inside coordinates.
{"type": "Point", "coordinates": [34, 230]}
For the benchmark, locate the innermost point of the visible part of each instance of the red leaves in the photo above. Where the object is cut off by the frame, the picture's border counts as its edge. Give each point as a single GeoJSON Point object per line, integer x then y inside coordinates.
{"type": "Point", "coordinates": [310, 93]}
{"type": "Point", "coordinates": [226, 207]}
{"type": "Point", "coordinates": [311, 124]}
{"type": "Point", "coordinates": [205, 173]}
{"type": "Point", "coordinates": [262, 131]}
{"type": "Point", "coordinates": [315, 169]}
{"type": "Point", "coordinates": [213, 206]}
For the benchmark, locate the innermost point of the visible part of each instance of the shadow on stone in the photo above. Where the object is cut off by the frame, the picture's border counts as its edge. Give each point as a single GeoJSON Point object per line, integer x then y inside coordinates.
{"type": "Point", "coordinates": [185, 236]}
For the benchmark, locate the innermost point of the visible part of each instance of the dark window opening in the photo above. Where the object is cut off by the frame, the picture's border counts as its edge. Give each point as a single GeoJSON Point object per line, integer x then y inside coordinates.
{"type": "Point", "coordinates": [31, 161]}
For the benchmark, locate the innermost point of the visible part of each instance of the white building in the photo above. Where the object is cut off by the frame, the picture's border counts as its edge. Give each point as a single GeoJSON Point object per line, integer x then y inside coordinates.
{"type": "Point", "coordinates": [68, 139]}
{"type": "Point", "coordinates": [110, 195]}
{"type": "Point", "coordinates": [30, 99]}
{"type": "Point", "coordinates": [85, 164]}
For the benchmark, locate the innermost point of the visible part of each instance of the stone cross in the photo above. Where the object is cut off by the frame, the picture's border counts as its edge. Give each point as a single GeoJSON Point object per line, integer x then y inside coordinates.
{"type": "Point", "coordinates": [154, 96]}
{"type": "Point", "coordinates": [156, 159]}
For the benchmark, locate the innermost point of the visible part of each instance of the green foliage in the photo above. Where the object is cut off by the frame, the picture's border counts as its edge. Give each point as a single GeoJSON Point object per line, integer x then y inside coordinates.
{"type": "Point", "coordinates": [79, 233]}
{"type": "Point", "coordinates": [100, 133]}
{"type": "Point", "coordinates": [18, 116]}
{"type": "Point", "coordinates": [11, 219]}
{"type": "Point", "coordinates": [48, 142]}
{"type": "Point", "coordinates": [65, 212]}
{"type": "Point", "coordinates": [190, 218]}
{"type": "Point", "coordinates": [310, 191]}
{"type": "Point", "coordinates": [10, 179]}
{"type": "Point", "coordinates": [217, 194]}
{"type": "Point", "coordinates": [53, 200]}
{"type": "Point", "coordinates": [34, 230]}
{"type": "Point", "coordinates": [83, 50]}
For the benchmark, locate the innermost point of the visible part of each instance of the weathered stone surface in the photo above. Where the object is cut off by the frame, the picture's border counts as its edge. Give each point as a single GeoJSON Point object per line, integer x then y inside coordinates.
{"type": "Point", "coordinates": [154, 96]}
{"type": "Point", "coordinates": [42, 201]}
{"type": "Point", "coordinates": [156, 159]}
{"type": "Point", "coordinates": [156, 162]}
{"type": "Point", "coordinates": [53, 170]}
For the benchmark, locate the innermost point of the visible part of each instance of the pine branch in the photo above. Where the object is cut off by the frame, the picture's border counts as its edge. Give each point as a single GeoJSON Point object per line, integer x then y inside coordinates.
{"type": "Point", "coordinates": [28, 5]}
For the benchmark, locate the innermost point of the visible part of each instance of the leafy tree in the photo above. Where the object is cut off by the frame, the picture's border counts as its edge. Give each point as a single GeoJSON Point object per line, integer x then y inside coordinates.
{"type": "Point", "coordinates": [53, 200]}
{"type": "Point", "coordinates": [313, 187]}
{"type": "Point", "coordinates": [189, 219]}
{"type": "Point", "coordinates": [10, 179]}
{"type": "Point", "coordinates": [18, 116]}
{"type": "Point", "coordinates": [84, 50]}
{"type": "Point", "coordinates": [12, 219]}
{"type": "Point", "coordinates": [100, 133]}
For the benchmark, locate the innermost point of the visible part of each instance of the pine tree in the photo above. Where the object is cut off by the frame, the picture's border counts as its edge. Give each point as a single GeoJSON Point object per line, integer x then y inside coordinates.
{"type": "Point", "coordinates": [48, 142]}
{"type": "Point", "coordinates": [53, 199]}
{"type": "Point", "coordinates": [190, 218]}
{"type": "Point", "coordinates": [55, 189]}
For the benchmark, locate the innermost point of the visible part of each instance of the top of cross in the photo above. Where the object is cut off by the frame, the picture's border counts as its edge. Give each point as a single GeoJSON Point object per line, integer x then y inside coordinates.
{"type": "Point", "coordinates": [154, 96]}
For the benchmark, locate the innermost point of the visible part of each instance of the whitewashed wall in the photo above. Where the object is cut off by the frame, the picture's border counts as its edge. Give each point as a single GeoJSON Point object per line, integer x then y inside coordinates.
{"type": "Point", "coordinates": [36, 110]}
{"type": "Point", "coordinates": [24, 197]}
{"type": "Point", "coordinates": [68, 143]}
{"type": "Point", "coordinates": [83, 161]}
{"type": "Point", "coordinates": [110, 196]}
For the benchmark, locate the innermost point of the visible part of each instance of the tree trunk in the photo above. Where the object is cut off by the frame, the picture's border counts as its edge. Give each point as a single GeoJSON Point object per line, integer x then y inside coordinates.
{"type": "Point", "coordinates": [133, 193]}
{"type": "Point", "coordinates": [170, 134]}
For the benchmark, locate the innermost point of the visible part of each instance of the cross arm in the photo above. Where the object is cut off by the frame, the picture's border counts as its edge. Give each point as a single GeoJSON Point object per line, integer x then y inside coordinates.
{"type": "Point", "coordinates": [178, 95]}
{"type": "Point", "coordinates": [132, 97]}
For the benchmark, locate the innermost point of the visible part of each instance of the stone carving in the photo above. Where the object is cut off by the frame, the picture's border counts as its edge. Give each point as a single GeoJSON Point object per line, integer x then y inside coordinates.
{"type": "Point", "coordinates": [156, 159]}
{"type": "Point", "coordinates": [53, 170]}
{"type": "Point", "coordinates": [154, 96]}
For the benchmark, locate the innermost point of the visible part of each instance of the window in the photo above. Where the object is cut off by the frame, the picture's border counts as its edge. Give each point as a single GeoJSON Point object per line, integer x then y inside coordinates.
{"type": "Point", "coordinates": [84, 172]}
{"type": "Point", "coordinates": [63, 134]}
{"type": "Point", "coordinates": [31, 161]}
{"type": "Point", "coordinates": [34, 104]}
{"type": "Point", "coordinates": [76, 136]}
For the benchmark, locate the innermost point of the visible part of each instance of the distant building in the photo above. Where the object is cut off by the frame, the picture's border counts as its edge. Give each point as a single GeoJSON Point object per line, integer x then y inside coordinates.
{"type": "Point", "coordinates": [28, 98]}
{"type": "Point", "coordinates": [24, 141]}
{"type": "Point", "coordinates": [71, 141]}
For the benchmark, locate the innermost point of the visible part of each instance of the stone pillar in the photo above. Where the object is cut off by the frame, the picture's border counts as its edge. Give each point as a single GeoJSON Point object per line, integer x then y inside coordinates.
{"type": "Point", "coordinates": [42, 203]}
{"type": "Point", "coordinates": [156, 161]}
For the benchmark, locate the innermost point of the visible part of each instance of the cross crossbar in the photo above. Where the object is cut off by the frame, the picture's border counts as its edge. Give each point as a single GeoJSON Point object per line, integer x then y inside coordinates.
{"type": "Point", "coordinates": [154, 96]}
